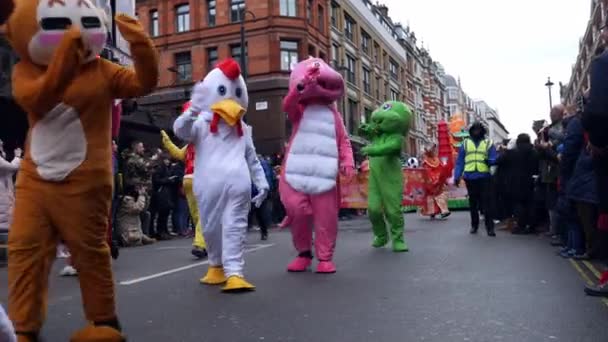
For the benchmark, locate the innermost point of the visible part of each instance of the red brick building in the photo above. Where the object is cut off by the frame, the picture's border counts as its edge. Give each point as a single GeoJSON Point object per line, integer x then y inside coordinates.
{"type": "Point", "coordinates": [192, 35]}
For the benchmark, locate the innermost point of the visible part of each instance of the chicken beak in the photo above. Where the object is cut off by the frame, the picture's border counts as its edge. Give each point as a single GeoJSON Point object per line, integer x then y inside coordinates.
{"type": "Point", "coordinates": [229, 110]}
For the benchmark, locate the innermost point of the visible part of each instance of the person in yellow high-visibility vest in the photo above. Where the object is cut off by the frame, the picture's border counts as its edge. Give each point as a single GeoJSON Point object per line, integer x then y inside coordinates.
{"type": "Point", "coordinates": [477, 154]}
{"type": "Point", "coordinates": [186, 154]}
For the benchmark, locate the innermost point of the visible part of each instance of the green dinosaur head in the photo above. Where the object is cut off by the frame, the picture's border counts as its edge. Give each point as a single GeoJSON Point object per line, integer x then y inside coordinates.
{"type": "Point", "coordinates": [392, 117]}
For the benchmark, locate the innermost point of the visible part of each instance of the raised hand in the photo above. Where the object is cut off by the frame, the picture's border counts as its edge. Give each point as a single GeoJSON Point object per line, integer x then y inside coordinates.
{"type": "Point", "coordinates": [130, 28]}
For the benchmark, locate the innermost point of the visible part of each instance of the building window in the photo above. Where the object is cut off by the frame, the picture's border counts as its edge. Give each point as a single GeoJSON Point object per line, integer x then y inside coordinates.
{"type": "Point", "coordinates": [154, 24]}
{"type": "Point", "coordinates": [312, 51]}
{"type": "Point", "coordinates": [334, 15]}
{"type": "Point", "coordinates": [378, 88]}
{"type": "Point", "coordinates": [367, 87]}
{"type": "Point", "coordinates": [211, 58]}
{"type": "Point", "coordinates": [376, 53]}
{"type": "Point", "coordinates": [334, 53]}
{"type": "Point", "coordinates": [182, 18]}
{"type": "Point", "coordinates": [393, 69]}
{"type": "Point", "coordinates": [367, 114]}
{"type": "Point", "coordinates": [288, 8]}
{"type": "Point", "coordinates": [321, 18]}
{"type": "Point", "coordinates": [183, 65]}
{"type": "Point", "coordinates": [211, 12]}
{"type": "Point", "coordinates": [235, 52]}
{"type": "Point", "coordinates": [237, 8]}
{"type": "Point", "coordinates": [351, 66]}
{"type": "Point", "coordinates": [309, 11]}
{"type": "Point", "coordinates": [352, 114]}
{"type": "Point", "coordinates": [453, 94]}
{"type": "Point", "coordinates": [289, 54]}
{"type": "Point", "coordinates": [322, 56]}
{"type": "Point", "coordinates": [394, 95]}
{"type": "Point", "coordinates": [365, 41]}
{"type": "Point", "coordinates": [349, 27]}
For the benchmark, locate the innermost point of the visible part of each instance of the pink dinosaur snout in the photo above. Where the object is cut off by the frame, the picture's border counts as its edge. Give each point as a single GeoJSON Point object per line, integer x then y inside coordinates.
{"type": "Point", "coordinates": [320, 86]}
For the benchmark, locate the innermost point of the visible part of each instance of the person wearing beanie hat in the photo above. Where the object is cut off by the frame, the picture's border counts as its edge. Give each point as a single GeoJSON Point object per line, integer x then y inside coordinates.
{"type": "Point", "coordinates": [477, 154]}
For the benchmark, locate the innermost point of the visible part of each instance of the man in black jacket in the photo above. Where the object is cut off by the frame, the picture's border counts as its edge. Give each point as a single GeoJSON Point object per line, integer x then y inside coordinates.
{"type": "Point", "coordinates": [164, 185]}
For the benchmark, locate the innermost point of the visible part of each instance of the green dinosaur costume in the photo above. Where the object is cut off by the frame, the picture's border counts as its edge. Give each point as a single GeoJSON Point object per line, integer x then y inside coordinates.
{"type": "Point", "coordinates": [387, 131]}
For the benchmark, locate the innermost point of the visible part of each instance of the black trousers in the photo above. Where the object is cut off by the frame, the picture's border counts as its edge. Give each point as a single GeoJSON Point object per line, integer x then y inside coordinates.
{"type": "Point", "coordinates": [524, 209]}
{"type": "Point", "coordinates": [261, 216]}
{"type": "Point", "coordinates": [481, 199]}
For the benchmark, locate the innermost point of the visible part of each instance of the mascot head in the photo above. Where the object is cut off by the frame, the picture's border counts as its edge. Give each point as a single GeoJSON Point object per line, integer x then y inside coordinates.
{"type": "Point", "coordinates": [392, 117]}
{"type": "Point", "coordinates": [316, 82]}
{"type": "Point", "coordinates": [36, 27]}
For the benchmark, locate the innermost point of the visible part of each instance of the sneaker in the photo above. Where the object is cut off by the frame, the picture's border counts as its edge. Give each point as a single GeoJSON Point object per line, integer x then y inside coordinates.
{"type": "Point", "coordinates": [68, 271]}
{"type": "Point", "coordinates": [583, 256]}
{"type": "Point", "coordinates": [146, 240]}
{"type": "Point", "coordinates": [445, 215]}
{"type": "Point", "coordinates": [567, 254]}
{"type": "Point", "coordinates": [597, 291]}
{"type": "Point", "coordinates": [198, 252]}
{"type": "Point", "coordinates": [62, 252]}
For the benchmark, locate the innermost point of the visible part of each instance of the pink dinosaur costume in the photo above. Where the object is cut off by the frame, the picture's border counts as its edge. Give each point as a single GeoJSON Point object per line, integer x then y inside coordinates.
{"type": "Point", "coordinates": [319, 148]}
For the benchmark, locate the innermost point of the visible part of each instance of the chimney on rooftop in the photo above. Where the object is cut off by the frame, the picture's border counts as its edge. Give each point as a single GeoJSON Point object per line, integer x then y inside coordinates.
{"type": "Point", "coordinates": [383, 10]}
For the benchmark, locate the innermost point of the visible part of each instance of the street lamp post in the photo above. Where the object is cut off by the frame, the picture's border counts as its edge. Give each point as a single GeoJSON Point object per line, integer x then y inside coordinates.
{"type": "Point", "coordinates": [242, 61]}
{"type": "Point", "coordinates": [549, 84]}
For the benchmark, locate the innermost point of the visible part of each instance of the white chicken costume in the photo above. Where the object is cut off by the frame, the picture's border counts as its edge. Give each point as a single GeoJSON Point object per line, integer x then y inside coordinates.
{"type": "Point", "coordinates": [225, 165]}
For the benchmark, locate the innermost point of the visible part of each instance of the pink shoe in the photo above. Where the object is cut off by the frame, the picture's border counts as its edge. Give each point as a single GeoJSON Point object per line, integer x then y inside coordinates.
{"type": "Point", "coordinates": [299, 264]}
{"type": "Point", "coordinates": [326, 267]}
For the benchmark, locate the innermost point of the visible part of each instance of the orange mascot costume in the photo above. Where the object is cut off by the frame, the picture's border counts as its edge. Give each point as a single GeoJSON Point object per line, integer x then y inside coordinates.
{"type": "Point", "coordinates": [64, 185]}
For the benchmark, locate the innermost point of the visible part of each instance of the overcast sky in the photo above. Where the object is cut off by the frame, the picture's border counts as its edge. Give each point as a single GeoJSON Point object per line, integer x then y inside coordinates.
{"type": "Point", "coordinates": [503, 51]}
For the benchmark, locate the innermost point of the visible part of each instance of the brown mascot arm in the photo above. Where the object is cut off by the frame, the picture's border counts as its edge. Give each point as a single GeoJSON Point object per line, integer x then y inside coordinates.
{"type": "Point", "coordinates": [126, 82]}
{"type": "Point", "coordinates": [39, 91]}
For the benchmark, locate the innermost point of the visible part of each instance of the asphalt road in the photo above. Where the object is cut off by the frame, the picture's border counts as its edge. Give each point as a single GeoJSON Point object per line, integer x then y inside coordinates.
{"type": "Point", "coordinates": [451, 286]}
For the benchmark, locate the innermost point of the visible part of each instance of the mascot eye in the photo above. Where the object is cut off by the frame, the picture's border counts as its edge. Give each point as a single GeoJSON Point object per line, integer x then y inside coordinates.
{"type": "Point", "coordinates": [238, 92]}
{"type": "Point", "coordinates": [387, 106]}
{"type": "Point", "coordinates": [221, 90]}
{"type": "Point", "coordinates": [51, 24]}
{"type": "Point", "coordinates": [90, 22]}
{"type": "Point", "coordinates": [317, 65]}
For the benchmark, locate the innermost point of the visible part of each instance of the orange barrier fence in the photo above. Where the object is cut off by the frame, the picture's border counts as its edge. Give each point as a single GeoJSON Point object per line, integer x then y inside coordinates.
{"type": "Point", "coordinates": [354, 191]}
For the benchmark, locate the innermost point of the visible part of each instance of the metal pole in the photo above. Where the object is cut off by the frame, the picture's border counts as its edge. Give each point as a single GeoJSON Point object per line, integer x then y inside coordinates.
{"type": "Point", "coordinates": [549, 84]}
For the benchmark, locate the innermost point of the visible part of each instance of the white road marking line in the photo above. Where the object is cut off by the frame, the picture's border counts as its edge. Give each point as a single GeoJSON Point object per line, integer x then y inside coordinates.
{"type": "Point", "coordinates": [174, 247]}
{"type": "Point", "coordinates": [183, 268]}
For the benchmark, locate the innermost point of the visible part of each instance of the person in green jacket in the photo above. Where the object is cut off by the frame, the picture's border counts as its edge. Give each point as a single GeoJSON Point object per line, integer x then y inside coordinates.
{"type": "Point", "coordinates": [387, 131]}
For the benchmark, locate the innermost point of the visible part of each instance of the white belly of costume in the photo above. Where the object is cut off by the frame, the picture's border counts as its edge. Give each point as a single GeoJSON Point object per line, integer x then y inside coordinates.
{"type": "Point", "coordinates": [58, 144]}
{"type": "Point", "coordinates": [312, 162]}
